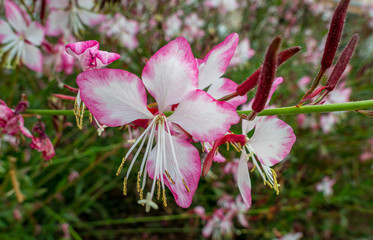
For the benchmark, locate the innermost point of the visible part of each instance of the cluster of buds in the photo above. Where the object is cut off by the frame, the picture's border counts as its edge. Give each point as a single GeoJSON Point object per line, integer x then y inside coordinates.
{"type": "Point", "coordinates": [331, 46]}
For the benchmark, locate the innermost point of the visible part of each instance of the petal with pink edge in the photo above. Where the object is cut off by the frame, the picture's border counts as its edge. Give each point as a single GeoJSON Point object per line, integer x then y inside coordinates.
{"type": "Point", "coordinates": [6, 33]}
{"type": "Point", "coordinates": [114, 97]}
{"type": "Point", "coordinates": [57, 23]}
{"type": "Point", "coordinates": [189, 164]}
{"type": "Point", "coordinates": [85, 52]}
{"type": "Point", "coordinates": [243, 180]}
{"type": "Point", "coordinates": [15, 16]}
{"type": "Point", "coordinates": [104, 58]}
{"type": "Point", "coordinates": [35, 33]}
{"type": "Point", "coordinates": [272, 140]}
{"type": "Point", "coordinates": [91, 18]}
{"type": "Point", "coordinates": [171, 74]}
{"type": "Point", "coordinates": [203, 117]}
{"type": "Point", "coordinates": [216, 61]}
{"type": "Point", "coordinates": [223, 87]}
{"type": "Point", "coordinates": [31, 56]}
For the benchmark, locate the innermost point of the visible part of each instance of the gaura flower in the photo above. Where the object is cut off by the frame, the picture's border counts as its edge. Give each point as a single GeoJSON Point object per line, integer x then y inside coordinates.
{"type": "Point", "coordinates": [117, 97]}
{"type": "Point", "coordinates": [89, 58]}
{"type": "Point", "coordinates": [19, 38]}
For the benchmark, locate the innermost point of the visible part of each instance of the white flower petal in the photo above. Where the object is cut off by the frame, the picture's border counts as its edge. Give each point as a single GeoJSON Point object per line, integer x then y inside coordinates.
{"type": "Point", "coordinates": [243, 180]}
{"type": "Point", "coordinates": [114, 97]}
{"type": "Point", "coordinates": [32, 57]}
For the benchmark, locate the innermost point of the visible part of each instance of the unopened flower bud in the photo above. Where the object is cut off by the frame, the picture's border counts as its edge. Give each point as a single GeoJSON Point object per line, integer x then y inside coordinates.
{"type": "Point", "coordinates": [21, 107]}
{"type": "Point", "coordinates": [342, 63]}
{"type": "Point", "coordinates": [39, 128]}
{"type": "Point", "coordinates": [253, 79]}
{"type": "Point", "coordinates": [229, 138]}
{"type": "Point", "coordinates": [335, 33]}
{"type": "Point", "coordinates": [267, 76]}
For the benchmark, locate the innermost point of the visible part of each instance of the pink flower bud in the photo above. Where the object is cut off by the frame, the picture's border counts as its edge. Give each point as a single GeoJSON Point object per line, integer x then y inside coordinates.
{"type": "Point", "coordinates": [253, 79]}
{"type": "Point", "coordinates": [342, 63]}
{"type": "Point", "coordinates": [335, 33]}
{"type": "Point", "coordinates": [267, 76]}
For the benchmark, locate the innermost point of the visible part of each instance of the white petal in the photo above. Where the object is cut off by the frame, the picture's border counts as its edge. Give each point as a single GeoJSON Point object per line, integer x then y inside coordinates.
{"type": "Point", "coordinates": [189, 164]}
{"type": "Point", "coordinates": [243, 180]}
{"type": "Point", "coordinates": [14, 15]}
{"type": "Point", "coordinates": [58, 3]}
{"type": "Point", "coordinates": [203, 117]}
{"type": "Point", "coordinates": [35, 33]}
{"type": "Point", "coordinates": [91, 18]}
{"type": "Point", "coordinates": [32, 57]}
{"type": "Point", "coordinates": [114, 97]}
{"type": "Point", "coordinates": [223, 87]}
{"type": "Point", "coordinates": [272, 140]}
{"type": "Point", "coordinates": [6, 33]}
{"type": "Point", "coordinates": [216, 61]}
{"type": "Point", "coordinates": [57, 23]}
{"type": "Point", "coordinates": [171, 74]}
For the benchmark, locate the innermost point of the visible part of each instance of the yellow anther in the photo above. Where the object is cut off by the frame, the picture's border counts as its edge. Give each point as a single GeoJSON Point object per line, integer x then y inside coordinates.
{"type": "Point", "coordinates": [236, 146]}
{"type": "Point", "coordinates": [227, 146]}
{"type": "Point", "coordinates": [121, 166]}
{"type": "Point", "coordinates": [138, 181]}
{"type": "Point", "coordinates": [164, 198]}
{"type": "Point", "coordinates": [203, 147]}
{"type": "Point", "coordinates": [169, 177]}
{"type": "Point", "coordinates": [252, 170]}
{"type": "Point", "coordinates": [159, 189]}
{"type": "Point", "coordinates": [141, 195]}
{"type": "Point", "coordinates": [152, 105]}
{"type": "Point", "coordinates": [90, 117]}
{"type": "Point", "coordinates": [269, 184]}
{"type": "Point", "coordinates": [186, 186]}
{"type": "Point", "coordinates": [125, 186]}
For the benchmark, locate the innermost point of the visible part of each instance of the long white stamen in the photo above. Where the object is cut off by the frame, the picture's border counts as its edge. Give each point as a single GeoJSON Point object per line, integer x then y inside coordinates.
{"type": "Point", "coordinates": [147, 152]}
{"type": "Point", "coordinates": [173, 151]}
{"type": "Point", "coordinates": [156, 160]}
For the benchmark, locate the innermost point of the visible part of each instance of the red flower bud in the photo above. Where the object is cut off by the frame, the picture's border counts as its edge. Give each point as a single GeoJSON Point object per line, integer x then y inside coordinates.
{"type": "Point", "coordinates": [241, 139]}
{"type": "Point", "coordinates": [21, 107]}
{"type": "Point", "coordinates": [253, 79]}
{"type": "Point", "coordinates": [267, 75]}
{"type": "Point", "coordinates": [342, 63]}
{"type": "Point", "coordinates": [335, 33]}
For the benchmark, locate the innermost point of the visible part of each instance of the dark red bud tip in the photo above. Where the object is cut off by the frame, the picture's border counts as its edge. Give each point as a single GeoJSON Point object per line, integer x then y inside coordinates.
{"type": "Point", "coordinates": [21, 107]}
{"type": "Point", "coordinates": [335, 33]}
{"type": "Point", "coordinates": [342, 63]}
{"type": "Point", "coordinates": [267, 75]}
{"type": "Point", "coordinates": [229, 138]}
{"type": "Point", "coordinates": [287, 54]}
{"type": "Point", "coordinates": [253, 79]}
{"type": "Point", "coordinates": [39, 128]}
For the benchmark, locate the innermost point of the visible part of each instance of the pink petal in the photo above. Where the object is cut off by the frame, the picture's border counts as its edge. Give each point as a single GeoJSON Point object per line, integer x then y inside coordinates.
{"type": "Point", "coordinates": [6, 33]}
{"type": "Point", "coordinates": [35, 33]}
{"type": "Point", "coordinates": [223, 87]}
{"type": "Point", "coordinates": [114, 97]}
{"type": "Point", "coordinates": [85, 52]}
{"type": "Point", "coordinates": [104, 58]}
{"type": "Point", "coordinates": [217, 61]}
{"type": "Point", "coordinates": [15, 16]}
{"type": "Point", "coordinates": [217, 156]}
{"type": "Point", "coordinates": [203, 117]}
{"type": "Point", "coordinates": [32, 57]}
{"type": "Point", "coordinates": [171, 74]}
{"type": "Point", "coordinates": [190, 166]}
{"type": "Point", "coordinates": [243, 180]}
{"type": "Point", "coordinates": [57, 23]}
{"type": "Point", "coordinates": [43, 145]}
{"type": "Point", "coordinates": [272, 140]}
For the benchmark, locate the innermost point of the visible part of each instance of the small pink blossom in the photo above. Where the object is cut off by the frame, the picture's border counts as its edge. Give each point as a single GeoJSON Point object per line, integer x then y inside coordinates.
{"type": "Point", "coordinates": [326, 186]}
{"type": "Point", "coordinates": [243, 53]}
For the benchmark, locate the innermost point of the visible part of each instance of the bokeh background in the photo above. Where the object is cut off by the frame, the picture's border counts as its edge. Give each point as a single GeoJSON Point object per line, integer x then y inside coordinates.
{"type": "Point", "coordinates": [326, 181]}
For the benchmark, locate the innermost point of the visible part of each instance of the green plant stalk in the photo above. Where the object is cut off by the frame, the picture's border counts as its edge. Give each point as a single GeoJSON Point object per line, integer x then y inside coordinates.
{"type": "Point", "coordinates": [336, 107]}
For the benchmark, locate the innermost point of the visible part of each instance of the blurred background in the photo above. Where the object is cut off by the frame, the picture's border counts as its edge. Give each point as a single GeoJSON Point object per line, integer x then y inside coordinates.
{"type": "Point", "coordinates": [326, 180]}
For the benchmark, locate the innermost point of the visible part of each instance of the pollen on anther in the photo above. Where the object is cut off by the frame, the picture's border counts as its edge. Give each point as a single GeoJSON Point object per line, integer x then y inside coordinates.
{"type": "Point", "coordinates": [186, 187]}
{"type": "Point", "coordinates": [138, 182]}
{"type": "Point", "coordinates": [121, 166]}
{"type": "Point", "coordinates": [125, 186]}
{"type": "Point", "coordinates": [159, 189]}
{"type": "Point", "coordinates": [141, 195]}
{"type": "Point", "coordinates": [164, 198]}
{"type": "Point", "coordinates": [169, 177]}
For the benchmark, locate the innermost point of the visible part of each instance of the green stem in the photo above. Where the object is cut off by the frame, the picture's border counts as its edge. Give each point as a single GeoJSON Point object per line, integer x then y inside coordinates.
{"type": "Point", "coordinates": [336, 107]}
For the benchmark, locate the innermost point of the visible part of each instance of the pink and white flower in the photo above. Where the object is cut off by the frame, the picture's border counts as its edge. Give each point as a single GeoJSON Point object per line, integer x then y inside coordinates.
{"type": "Point", "coordinates": [89, 58]}
{"type": "Point", "coordinates": [117, 97]}
{"type": "Point", "coordinates": [68, 16]}
{"type": "Point", "coordinates": [19, 38]}
{"type": "Point", "coordinates": [123, 29]}
{"type": "Point", "coordinates": [243, 53]}
{"type": "Point", "coordinates": [326, 186]}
